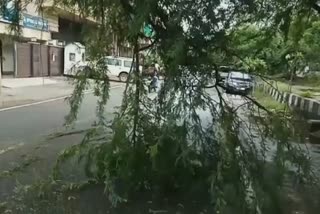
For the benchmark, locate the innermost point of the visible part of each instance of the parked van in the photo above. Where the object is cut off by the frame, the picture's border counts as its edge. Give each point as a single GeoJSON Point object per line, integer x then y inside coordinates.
{"type": "Point", "coordinates": [116, 67]}
{"type": "Point", "coordinates": [119, 67]}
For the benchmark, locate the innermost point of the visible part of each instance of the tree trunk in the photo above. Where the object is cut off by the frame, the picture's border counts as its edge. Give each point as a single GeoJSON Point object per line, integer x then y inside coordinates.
{"type": "Point", "coordinates": [137, 94]}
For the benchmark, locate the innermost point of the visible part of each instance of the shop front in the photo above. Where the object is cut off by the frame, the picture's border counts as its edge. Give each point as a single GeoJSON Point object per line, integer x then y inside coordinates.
{"type": "Point", "coordinates": [29, 54]}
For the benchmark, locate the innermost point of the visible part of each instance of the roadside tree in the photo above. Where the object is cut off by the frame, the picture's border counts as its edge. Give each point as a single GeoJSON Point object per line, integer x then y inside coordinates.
{"type": "Point", "coordinates": [187, 146]}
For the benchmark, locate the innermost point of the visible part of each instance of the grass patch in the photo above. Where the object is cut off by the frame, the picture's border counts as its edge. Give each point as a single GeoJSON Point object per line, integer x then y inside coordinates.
{"type": "Point", "coordinates": [310, 80]}
{"type": "Point", "coordinates": [315, 90]}
{"type": "Point", "coordinates": [283, 87]}
{"type": "Point", "coordinates": [267, 101]}
{"type": "Point", "coordinates": [306, 94]}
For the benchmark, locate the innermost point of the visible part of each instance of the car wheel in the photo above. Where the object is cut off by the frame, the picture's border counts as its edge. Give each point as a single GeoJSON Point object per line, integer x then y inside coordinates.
{"type": "Point", "coordinates": [123, 77]}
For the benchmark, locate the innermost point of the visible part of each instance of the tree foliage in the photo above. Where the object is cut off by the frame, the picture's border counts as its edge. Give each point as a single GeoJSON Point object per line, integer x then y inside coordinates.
{"type": "Point", "coordinates": [310, 44]}
{"type": "Point", "coordinates": [270, 49]}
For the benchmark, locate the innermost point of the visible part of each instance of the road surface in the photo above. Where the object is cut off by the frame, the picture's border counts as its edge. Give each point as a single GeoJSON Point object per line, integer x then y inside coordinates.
{"type": "Point", "coordinates": [24, 136]}
{"type": "Point", "coordinates": [29, 124]}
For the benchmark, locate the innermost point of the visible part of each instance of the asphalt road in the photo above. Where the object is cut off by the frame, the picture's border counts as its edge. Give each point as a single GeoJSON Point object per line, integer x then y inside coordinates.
{"type": "Point", "coordinates": [26, 125]}
{"type": "Point", "coordinates": [24, 137]}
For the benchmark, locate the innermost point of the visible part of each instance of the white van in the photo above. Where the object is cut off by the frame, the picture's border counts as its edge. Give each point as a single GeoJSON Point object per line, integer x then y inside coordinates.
{"type": "Point", "coordinates": [119, 67]}
{"type": "Point", "coordinates": [116, 67]}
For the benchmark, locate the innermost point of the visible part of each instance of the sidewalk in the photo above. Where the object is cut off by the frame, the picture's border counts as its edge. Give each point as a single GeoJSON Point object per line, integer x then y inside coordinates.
{"type": "Point", "coordinates": [34, 81]}
{"type": "Point", "coordinates": [15, 92]}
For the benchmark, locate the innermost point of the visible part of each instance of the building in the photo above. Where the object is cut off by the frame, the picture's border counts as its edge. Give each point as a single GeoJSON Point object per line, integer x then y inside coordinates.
{"type": "Point", "coordinates": [39, 49]}
{"type": "Point", "coordinates": [34, 53]}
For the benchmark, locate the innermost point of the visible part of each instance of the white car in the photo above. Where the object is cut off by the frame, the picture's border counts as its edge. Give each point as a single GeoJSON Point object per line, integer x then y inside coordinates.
{"type": "Point", "coordinates": [119, 67]}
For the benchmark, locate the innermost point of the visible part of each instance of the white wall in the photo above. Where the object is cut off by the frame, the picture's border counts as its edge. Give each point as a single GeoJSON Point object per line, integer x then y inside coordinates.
{"type": "Point", "coordinates": [8, 57]}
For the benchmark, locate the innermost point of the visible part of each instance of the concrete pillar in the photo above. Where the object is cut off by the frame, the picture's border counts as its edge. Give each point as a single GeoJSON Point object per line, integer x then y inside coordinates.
{"type": "Point", "coordinates": [302, 104]}
{"type": "Point", "coordinates": [295, 101]}
{"type": "Point", "coordinates": [310, 106]}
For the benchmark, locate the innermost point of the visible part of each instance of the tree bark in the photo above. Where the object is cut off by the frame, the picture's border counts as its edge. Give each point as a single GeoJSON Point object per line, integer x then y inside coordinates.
{"type": "Point", "coordinates": [137, 93]}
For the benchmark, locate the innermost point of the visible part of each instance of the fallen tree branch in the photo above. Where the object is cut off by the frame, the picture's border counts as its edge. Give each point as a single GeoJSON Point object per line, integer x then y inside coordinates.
{"type": "Point", "coordinates": [62, 134]}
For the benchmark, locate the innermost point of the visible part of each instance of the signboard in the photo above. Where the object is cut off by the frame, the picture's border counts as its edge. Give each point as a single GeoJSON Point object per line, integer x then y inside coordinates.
{"type": "Point", "coordinates": [8, 12]}
{"type": "Point", "coordinates": [148, 31]}
{"type": "Point", "coordinates": [35, 22]}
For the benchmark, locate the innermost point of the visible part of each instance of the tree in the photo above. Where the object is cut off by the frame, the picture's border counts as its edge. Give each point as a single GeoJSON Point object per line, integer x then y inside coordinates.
{"type": "Point", "coordinates": [263, 52]}
{"type": "Point", "coordinates": [311, 45]}
{"type": "Point", "coordinates": [163, 148]}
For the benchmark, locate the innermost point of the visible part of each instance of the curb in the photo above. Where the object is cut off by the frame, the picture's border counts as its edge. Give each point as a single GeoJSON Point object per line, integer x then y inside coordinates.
{"type": "Point", "coordinates": [306, 105]}
{"type": "Point", "coordinates": [310, 107]}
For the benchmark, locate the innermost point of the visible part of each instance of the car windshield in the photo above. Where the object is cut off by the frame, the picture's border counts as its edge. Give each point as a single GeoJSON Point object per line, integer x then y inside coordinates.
{"type": "Point", "coordinates": [240, 76]}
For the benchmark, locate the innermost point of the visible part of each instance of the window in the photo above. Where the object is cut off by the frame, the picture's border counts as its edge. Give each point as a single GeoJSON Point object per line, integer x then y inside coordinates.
{"type": "Point", "coordinates": [53, 57]}
{"type": "Point", "coordinates": [127, 64]}
{"type": "Point", "coordinates": [240, 76]}
{"type": "Point", "coordinates": [72, 57]}
{"type": "Point", "coordinates": [83, 57]}
{"type": "Point", "coordinates": [114, 62]}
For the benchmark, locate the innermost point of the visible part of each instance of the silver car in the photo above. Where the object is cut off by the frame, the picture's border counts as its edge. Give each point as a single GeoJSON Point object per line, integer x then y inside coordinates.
{"type": "Point", "coordinates": [238, 83]}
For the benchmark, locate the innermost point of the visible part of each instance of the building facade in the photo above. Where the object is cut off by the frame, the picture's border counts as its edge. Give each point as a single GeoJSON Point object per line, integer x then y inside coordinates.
{"type": "Point", "coordinates": [37, 51]}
